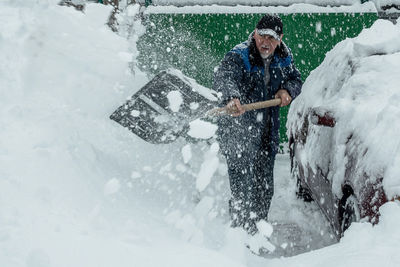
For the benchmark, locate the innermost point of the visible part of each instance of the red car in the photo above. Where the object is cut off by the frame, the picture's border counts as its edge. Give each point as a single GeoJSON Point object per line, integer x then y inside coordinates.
{"type": "Point", "coordinates": [359, 199]}
{"type": "Point", "coordinates": [343, 129]}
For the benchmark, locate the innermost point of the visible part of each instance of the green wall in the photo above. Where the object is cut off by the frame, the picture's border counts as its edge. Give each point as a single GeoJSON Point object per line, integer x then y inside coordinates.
{"type": "Point", "coordinates": [195, 43]}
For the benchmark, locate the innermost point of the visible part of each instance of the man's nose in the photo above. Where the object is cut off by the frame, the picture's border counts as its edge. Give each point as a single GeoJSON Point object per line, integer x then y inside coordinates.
{"type": "Point", "coordinates": [265, 41]}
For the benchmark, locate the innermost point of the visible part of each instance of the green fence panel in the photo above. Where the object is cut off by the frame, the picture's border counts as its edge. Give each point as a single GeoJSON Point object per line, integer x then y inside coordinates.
{"type": "Point", "coordinates": [195, 43]}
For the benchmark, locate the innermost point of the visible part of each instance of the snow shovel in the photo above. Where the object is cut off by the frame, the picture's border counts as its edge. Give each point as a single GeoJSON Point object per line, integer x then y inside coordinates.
{"type": "Point", "coordinates": [161, 111]}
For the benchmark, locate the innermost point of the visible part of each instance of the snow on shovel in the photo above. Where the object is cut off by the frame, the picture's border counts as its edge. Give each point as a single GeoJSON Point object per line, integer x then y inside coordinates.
{"type": "Point", "coordinates": [169, 105]}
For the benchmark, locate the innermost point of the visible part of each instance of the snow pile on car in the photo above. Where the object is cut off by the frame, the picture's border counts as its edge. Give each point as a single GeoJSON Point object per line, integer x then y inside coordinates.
{"type": "Point", "coordinates": [358, 83]}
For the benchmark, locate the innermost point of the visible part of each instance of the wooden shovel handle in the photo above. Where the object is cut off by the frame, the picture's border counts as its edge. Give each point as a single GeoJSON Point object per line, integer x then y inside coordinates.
{"type": "Point", "coordinates": [247, 107]}
{"type": "Point", "coordinates": [262, 104]}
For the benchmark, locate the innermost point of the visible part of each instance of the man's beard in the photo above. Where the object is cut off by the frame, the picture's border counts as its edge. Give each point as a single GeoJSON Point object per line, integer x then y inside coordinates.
{"type": "Point", "coordinates": [265, 55]}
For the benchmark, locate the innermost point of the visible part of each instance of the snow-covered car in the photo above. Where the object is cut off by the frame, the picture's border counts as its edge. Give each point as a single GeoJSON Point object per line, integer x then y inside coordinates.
{"type": "Point", "coordinates": [344, 128]}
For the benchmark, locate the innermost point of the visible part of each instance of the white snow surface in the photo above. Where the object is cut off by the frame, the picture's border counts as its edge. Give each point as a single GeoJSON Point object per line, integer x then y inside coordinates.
{"type": "Point", "coordinates": [186, 153]}
{"type": "Point", "coordinates": [77, 189]}
{"type": "Point", "coordinates": [203, 91]}
{"type": "Point", "coordinates": [355, 7]}
{"type": "Point", "coordinates": [208, 167]}
{"type": "Point", "coordinates": [256, 2]}
{"type": "Point", "coordinates": [175, 100]}
{"type": "Point", "coordinates": [381, 3]}
{"type": "Point", "coordinates": [202, 129]}
{"type": "Point", "coordinates": [358, 82]}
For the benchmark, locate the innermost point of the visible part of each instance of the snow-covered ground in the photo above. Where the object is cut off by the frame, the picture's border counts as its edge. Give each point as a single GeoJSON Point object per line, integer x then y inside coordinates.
{"type": "Point", "coordinates": [76, 189]}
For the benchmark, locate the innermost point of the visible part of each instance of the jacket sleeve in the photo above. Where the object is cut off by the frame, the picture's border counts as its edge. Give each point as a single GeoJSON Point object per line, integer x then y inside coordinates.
{"type": "Point", "coordinates": [293, 83]}
{"type": "Point", "coordinates": [227, 77]}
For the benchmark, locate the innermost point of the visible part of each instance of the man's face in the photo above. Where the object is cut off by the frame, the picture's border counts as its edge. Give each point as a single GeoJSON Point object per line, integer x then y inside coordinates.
{"type": "Point", "coordinates": [266, 44]}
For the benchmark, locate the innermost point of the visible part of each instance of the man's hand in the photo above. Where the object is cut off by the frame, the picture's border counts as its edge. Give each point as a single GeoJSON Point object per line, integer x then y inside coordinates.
{"type": "Point", "coordinates": [284, 96]}
{"type": "Point", "coordinates": [234, 108]}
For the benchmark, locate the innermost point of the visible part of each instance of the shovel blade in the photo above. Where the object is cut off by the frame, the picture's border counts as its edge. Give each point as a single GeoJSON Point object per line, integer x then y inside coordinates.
{"type": "Point", "coordinates": [161, 110]}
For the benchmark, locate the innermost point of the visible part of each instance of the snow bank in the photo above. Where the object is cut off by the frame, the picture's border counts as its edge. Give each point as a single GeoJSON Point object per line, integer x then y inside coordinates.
{"type": "Point", "coordinates": [381, 3]}
{"type": "Point", "coordinates": [77, 189]}
{"type": "Point", "coordinates": [358, 83]}
{"type": "Point", "coordinates": [256, 3]}
{"type": "Point", "coordinates": [212, 8]}
{"type": "Point", "coordinates": [362, 245]}
{"type": "Point", "coordinates": [56, 91]}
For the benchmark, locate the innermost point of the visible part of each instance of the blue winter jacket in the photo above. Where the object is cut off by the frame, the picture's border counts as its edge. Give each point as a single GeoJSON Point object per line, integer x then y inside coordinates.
{"type": "Point", "coordinates": [241, 75]}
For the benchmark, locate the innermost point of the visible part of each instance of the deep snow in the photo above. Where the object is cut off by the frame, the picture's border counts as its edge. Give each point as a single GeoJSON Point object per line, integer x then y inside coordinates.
{"type": "Point", "coordinates": [76, 189]}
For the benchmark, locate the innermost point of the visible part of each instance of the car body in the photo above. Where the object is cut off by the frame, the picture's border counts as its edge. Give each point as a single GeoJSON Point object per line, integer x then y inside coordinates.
{"type": "Point", "coordinates": [343, 128]}
{"type": "Point", "coordinates": [361, 195]}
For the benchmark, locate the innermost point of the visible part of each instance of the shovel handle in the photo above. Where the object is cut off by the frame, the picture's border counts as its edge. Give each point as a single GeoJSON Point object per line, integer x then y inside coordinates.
{"type": "Point", "coordinates": [262, 104]}
{"type": "Point", "coordinates": [246, 107]}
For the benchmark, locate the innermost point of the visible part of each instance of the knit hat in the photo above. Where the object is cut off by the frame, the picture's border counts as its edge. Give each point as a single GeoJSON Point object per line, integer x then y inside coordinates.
{"type": "Point", "coordinates": [270, 25]}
